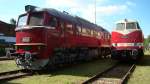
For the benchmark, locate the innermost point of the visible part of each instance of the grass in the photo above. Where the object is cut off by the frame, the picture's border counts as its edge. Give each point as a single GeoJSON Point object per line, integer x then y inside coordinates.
{"type": "Point", "coordinates": [80, 72]}
{"type": "Point", "coordinates": [8, 65]}
{"type": "Point", "coordinates": [141, 74]}
{"type": "Point", "coordinates": [70, 75]}
{"type": "Point", "coordinates": [147, 52]}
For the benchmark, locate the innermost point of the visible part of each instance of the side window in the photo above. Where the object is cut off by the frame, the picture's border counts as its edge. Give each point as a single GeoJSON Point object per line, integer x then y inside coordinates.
{"type": "Point", "coordinates": [98, 33]}
{"type": "Point", "coordinates": [88, 31]}
{"type": "Point", "coordinates": [53, 22]}
{"type": "Point", "coordinates": [79, 29]}
{"type": "Point", "coordinates": [83, 30]}
{"type": "Point", "coordinates": [95, 33]}
{"type": "Point", "coordinates": [92, 32]}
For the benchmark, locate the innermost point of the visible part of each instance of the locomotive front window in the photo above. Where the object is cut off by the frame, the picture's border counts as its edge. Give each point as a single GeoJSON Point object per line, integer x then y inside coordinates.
{"type": "Point", "coordinates": [36, 19]}
{"type": "Point", "coordinates": [130, 26]}
{"type": "Point", "coordinates": [120, 26]}
{"type": "Point", "coordinates": [22, 20]}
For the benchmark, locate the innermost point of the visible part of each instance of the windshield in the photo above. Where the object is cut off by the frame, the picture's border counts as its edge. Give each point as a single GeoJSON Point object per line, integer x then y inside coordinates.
{"type": "Point", "coordinates": [120, 26]}
{"type": "Point", "coordinates": [22, 20]}
{"type": "Point", "coordinates": [36, 19]}
{"type": "Point", "coordinates": [130, 26]}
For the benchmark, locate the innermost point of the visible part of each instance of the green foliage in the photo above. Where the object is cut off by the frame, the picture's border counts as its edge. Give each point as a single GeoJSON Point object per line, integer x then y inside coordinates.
{"type": "Point", "coordinates": [13, 21]}
{"type": "Point", "coordinates": [2, 51]}
{"type": "Point", "coordinates": [147, 41]}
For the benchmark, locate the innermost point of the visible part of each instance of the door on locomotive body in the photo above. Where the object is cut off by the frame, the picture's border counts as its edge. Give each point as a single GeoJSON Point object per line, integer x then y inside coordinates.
{"type": "Point", "coordinates": [53, 33]}
{"type": "Point", "coordinates": [107, 39]}
{"type": "Point", "coordinates": [102, 38]}
{"type": "Point", "coordinates": [78, 35]}
{"type": "Point", "coordinates": [67, 33]}
{"type": "Point", "coordinates": [62, 33]}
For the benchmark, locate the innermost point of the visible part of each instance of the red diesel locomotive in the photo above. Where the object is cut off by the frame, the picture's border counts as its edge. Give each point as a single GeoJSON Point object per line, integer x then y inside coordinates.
{"type": "Point", "coordinates": [46, 38]}
{"type": "Point", "coordinates": [127, 41]}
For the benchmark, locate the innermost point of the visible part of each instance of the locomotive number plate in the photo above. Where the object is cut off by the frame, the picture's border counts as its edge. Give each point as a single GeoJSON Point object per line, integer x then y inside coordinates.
{"type": "Point", "coordinates": [26, 39]}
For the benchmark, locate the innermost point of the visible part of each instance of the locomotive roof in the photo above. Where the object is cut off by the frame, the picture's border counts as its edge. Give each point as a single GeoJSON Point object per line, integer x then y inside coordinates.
{"type": "Point", "coordinates": [74, 19]}
{"type": "Point", "coordinates": [127, 21]}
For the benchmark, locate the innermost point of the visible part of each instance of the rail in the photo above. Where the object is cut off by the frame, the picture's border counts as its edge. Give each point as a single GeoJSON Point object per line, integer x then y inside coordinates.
{"type": "Point", "coordinates": [6, 58]}
{"type": "Point", "coordinates": [116, 74]}
{"type": "Point", "coordinates": [4, 76]}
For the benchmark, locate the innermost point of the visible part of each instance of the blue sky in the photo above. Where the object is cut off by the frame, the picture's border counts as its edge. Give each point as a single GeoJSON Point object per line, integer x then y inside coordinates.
{"type": "Point", "coordinates": [108, 11]}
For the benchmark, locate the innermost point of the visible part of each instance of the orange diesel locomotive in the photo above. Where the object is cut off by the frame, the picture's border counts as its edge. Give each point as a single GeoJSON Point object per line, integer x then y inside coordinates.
{"type": "Point", "coordinates": [127, 40]}
{"type": "Point", "coordinates": [46, 38]}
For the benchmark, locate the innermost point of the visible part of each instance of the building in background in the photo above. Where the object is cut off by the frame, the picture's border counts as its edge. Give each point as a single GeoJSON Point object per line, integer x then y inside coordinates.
{"type": "Point", "coordinates": [7, 36]}
{"type": "Point", "coordinates": [7, 40]}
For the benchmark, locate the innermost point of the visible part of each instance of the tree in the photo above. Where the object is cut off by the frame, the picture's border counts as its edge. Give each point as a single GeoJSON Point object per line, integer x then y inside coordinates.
{"type": "Point", "coordinates": [147, 41]}
{"type": "Point", "coordinates": [148, 38]}
{"type": "Point", "coordinates": [13, 21]}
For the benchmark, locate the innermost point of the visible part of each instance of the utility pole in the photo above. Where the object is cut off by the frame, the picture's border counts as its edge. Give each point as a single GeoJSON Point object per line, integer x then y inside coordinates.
{"type": "Point", "coordinates": [95, 11]}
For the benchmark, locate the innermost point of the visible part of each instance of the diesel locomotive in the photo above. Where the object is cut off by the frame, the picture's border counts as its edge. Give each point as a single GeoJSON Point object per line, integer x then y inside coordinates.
{"type": "Point", "coordinates": [127, 41]}
{"type": "Point", "coordinates": [46, 37]}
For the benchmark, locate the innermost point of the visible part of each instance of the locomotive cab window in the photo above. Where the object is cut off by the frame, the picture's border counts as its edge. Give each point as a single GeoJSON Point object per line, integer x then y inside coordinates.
{"type": "Point", "coordinates": [130, 26]}
{"type": "Point", "coordinates": [22, 20]}
{"type": "Point", "coordinates": [120, 26]}
{"type": "Point", "coordinates": [52, 22]}
{"type": "Point", "coordinates": [36, 19]}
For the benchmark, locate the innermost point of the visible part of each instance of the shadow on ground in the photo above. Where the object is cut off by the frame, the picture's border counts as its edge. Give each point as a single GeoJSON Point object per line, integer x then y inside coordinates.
{"type": "Point", "coordinates": [145, 61]}
{"type": "Point", "coordinates": [5, 82]}
{"type": "Point", "coordinates": [86, 69]}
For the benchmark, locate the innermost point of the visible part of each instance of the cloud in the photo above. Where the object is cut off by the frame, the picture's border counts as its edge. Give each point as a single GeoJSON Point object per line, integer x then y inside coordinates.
{"type": "Point", "coordinates": [61, 4]}
{"type": "Point", "coordinates": [105, 10]}
{"type": "Point", "coordinates": [86, 10]}
{"type": "Point", "coordinates": [129, 3]}
{"type": "Point", "coordinates": [112, 9]}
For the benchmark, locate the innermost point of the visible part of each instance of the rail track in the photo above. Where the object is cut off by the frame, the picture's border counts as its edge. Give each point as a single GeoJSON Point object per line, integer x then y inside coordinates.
{"type": "Point", "coordinates": [6, 58]}
{"type": "Point", "coordinates": [4, 76]}
{"type": "Point", "coordinates": [117, 74]}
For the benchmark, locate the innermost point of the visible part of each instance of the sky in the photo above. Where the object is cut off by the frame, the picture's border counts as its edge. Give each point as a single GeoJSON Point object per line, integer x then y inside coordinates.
{"type": "Point", "coordinates": [108, 12]}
